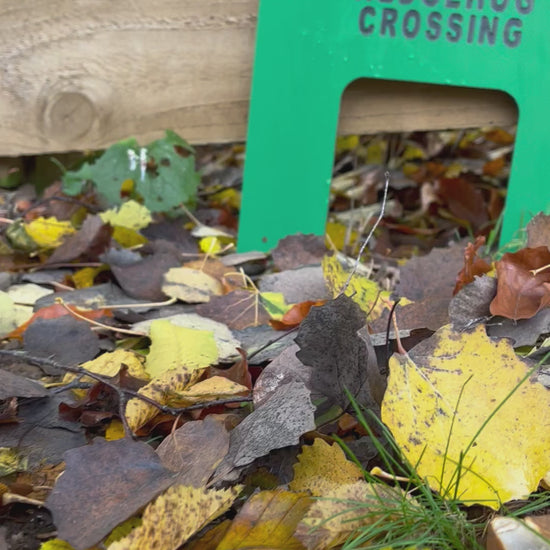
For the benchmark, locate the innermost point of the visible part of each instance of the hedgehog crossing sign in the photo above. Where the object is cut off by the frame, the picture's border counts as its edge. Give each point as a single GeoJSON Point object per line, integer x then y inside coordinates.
{"type": "Point", "coordinates": [307, 52]}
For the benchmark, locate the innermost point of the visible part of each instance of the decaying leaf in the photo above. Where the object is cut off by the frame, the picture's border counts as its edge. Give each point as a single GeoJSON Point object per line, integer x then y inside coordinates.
{"type": "Point", "coordinates": [238, 309]}
{"type": "Point", "coordinates": [439, 405]}
{"type": "Point", "coordinates": [216, 387]}
{"type": "Point", "coordinates": [190, 285]}
{"type": "Point", "coordinates": [342, 360]}
{"type": "Point", "coordinates": [363, 291]}
{"type": "Point", "coordinates": [139, 412]}
{"type": "Point", "coordinates": [175, 516]}
{"type": "Point", "coordinates": [267, 520]}
{"type": "Point", "coordinates": [332, 519]}
{"type": "Point", "coordinates": [322, 468]}
{"type": "Point", "coordinates": [195, 449]}
{"type": "Point", "coordinates": [103, 485]}
{"type": "Point", "coordinates": [523, 286]}
{"type": "Point", "coordinates": [278, 422]}
{"type": "Point", "coordinates": [109, 365]}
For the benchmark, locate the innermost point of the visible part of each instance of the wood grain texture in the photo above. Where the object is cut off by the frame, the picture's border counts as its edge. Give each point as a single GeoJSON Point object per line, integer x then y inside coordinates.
{"type": "Point", "coordinates": [81, 74]}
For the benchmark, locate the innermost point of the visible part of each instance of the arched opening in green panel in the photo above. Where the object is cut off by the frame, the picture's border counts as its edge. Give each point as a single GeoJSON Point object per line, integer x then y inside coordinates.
{"type": "Point", "coordinates": [448, 151]}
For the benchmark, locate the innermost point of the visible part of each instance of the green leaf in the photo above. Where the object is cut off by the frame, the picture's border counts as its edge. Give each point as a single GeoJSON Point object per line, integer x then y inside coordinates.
{"type": "Point", "coordinates": [169, 180]}
{"type": "Point", "coordinates": [175, 180]}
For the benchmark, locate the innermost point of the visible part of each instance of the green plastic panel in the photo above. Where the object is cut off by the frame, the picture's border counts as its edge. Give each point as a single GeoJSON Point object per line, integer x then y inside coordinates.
{"type": "Point", "coordinates": [308, 51]}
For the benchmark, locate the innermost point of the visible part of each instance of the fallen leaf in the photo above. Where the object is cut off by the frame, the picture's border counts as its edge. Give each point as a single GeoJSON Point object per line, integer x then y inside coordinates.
{"type": "Point", "coordinates": [295, 315]}
{"type": "Point", "coordinates": [207, 390]}
{"type": "Point", "coordinates": [321, 468]}
{"type": "Point", "coordinates": [278, 422]}
{"type": "Point", "coordinates": [520, 292]}
{"type": "Point", "coordinates": [345, 509]}
{"type": "Point", "coordinates": [175, 516]}
{"type": "Point", "coordinates": [66, 340]}
{"type": "Point", "coordinates": [173, 346]}
{"type": "Point", "coordinates": [195, 450]}
{"type": "Point", "coordinates": [226, 342]}
{"type": "Point", "coordinates": [91, 240]}
{"type": "Point", "coordinates": [439, 398]}
{"type": "Point", "coordinates": [98, 489]}
{"type": "Point", "coordinates": [298, 250]}
{"type": "Point", "coordinates": [471, 305]}
{"type": "Point", "coordinates": [362, 290]}
{"type": "Point", "coordinates": [48, 232]}
{"type": "Point", "coordinates": [190, 285]}
{"type": "Point", "coordinates": [109, 364]}
{"type": "Point", "coordinates": [14, 385]}
{"type": "Point", "coordinates": [538, 231]}
{"type": "Point", "coordinates": [342, 360]}
{"type": "Point", "coordinates": [130, 214]}
{"type": "Point", "coordinates": [238, 309]}
{"type": "Point", "coordinates": [297, 285]}
{"type": "Point", "coordinates": [143, 279]}
{"type": "Point", "coordinates": [267, 520]}
{"type": "Point", "coordinates": [139, 412]}
{"type": "Point", "coordinates": [473, 266]}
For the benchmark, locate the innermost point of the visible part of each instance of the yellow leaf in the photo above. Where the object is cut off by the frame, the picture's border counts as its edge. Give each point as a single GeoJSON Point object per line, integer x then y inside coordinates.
{"type": "Point", "coordinates": [11, 461]}
{"type": "Point", "coordinates": [274, 303]}
{"type": "Point", "coordinates": [331, 520]}
{"type": "Point", "coordinates": [228, 197]}
{"type": "Point", "coordinates": [130, 214]}
{"type": "Point", "coordinates": [139, 412]}
{"type": "Point", "coordinates": [173, 346]}
{"type": "Point", "coordinates": [338, 235]}
{"type": "Point", "coordinates": [210, 389]}
{"type": "Point", "coordinates": [322, 467]}
{"type": "Point", "coordinates": [122, 530]}
{"type": "Point", "coordinates": [48, 232]}
{"type": "Point", "coordinates": [175, 516]}
{"type": "Point", "coordinates": [84, 278]}
{"type": "Point", "coordinates": [210, 245]}
{"type": "Point", "coordinates": [346, 143]}
{"type": "Point", "coordinates": [127, 238]}
{"type": "Point", "coordinates": [376, 151]}
{"type": "Point", "coordinates": [364, 292]}
{"type": "Point", "coordinates": [413, 152]}
{"type": "Point", "coordinates": [267, 520]}
{"type": "Point", "coordinates": [115, 430]}
{"type": "Point", "coordinates": [55, 544]}
{"type": "Point", "coordinates": [109, 364]}
{"type": "Point", "coordinates": [190, 285]}
{"type": "Point", "coordinates": [437, 403]}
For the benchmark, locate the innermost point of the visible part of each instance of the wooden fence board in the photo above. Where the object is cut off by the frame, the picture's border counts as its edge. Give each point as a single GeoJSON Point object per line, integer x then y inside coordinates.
{"type": "Point", "coordinates": [82, 74]}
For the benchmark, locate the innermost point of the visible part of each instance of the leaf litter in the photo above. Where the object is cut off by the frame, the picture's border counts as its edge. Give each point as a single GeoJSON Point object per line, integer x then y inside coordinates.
{"type": "Point", "coordinates": [157, 331]}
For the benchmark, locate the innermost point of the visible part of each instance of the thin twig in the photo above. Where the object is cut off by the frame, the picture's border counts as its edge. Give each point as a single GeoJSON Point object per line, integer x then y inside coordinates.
{"type": "Point", "coordinates": [123, 393]}
{"type": "Point", "coordinates": [97, 323]}
{"type": "Point", "coordinates": [364, 245]}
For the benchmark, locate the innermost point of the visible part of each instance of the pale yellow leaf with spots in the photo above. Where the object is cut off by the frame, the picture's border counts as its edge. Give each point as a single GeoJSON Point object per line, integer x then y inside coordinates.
{"type": "Point", "coordinates": [210, 389]}
{"type": "Point", "coordinates": [460, 398]}
{"type": "Point", "coordinates": [109, 365]}
{"type": "Point", "coordinates": [49, 232]}
{"type": "Point", "coordinates": [363, 291]}
{"type": "Point", "coordinates": [139, 412]}
{"type": "Point", "coordinates": [322, 467]}
{"type": "Point", "coordinates": [332, 519]}
{"type": "Point", "coordinates": [175, 516]}
{"type": "Point", "coordinates": [173, 346]}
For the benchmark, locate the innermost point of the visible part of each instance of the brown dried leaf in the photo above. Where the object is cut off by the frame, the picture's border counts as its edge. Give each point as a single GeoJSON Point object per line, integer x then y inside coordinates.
{"type": "Point", "coordinates": [522, 290]}
{"type": "Point", "coordinates": [103, 485]}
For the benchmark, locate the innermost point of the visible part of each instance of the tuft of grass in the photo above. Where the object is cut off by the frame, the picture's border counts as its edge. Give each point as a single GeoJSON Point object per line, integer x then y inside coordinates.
{"type": "Point", "coordinates": [419, 518]}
